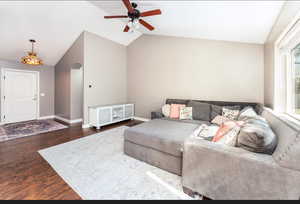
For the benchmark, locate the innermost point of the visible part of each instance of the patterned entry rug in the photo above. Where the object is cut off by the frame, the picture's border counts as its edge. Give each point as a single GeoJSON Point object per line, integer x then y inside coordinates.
{"type": "Point", "coordinates": [28, 128]}
{"type": "Point", "coordinates": [96, 168]}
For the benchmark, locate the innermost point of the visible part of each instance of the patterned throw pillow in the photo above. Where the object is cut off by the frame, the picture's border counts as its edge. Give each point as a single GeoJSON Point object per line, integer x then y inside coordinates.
{"type": "Point", "coordinates": [166, 110]}
{"type": "Point", "coordinates": [175, 110]}
{"type": "Point", "coordinates": [219, 120]}
{"type": "Point", "coordinates": [231, 112]}
{"type": "Point", "coordinates": [205, 132]}
{"type": "Point", "coordinates": [228, 133]}
{"type": "Point", "coordinates": [208, 132]}
{"type": "Point", "coordinates": [186, 113]}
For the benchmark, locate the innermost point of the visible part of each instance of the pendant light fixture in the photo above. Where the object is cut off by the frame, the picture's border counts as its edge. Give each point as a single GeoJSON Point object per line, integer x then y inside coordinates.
{"type": "Point", "coordinates": [31, 58]}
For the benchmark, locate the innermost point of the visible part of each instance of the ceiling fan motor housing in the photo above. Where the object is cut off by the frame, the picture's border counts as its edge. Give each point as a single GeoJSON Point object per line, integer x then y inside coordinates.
{"type": "Point", "coordinates": [135, 14]}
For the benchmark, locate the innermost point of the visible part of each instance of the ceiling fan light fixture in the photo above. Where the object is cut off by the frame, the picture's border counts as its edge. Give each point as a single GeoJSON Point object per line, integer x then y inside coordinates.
{"type": "Point", "coordinates": [31, 58]}
{"type": "Point", "coordinates": [136, 24]}
{"type": "Point", "coordinates": [133, 25]}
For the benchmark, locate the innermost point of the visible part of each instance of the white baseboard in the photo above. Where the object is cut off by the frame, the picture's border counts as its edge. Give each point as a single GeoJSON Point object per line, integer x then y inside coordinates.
{"type": "Point", "coordinates": [84, 126]}
{"type": "Point", "coordinates": [141, 119]}
{"type": "Point", "coordinates": [79, 120]}
{"type": "Point", "coordinates": [67, 120]}
{"type": "Point", "coordinates": [46, 117]}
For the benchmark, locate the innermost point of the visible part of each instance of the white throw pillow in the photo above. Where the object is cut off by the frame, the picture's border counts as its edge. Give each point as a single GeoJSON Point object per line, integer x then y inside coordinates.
{"type": "Point", "coordinates": [186, 113]}
{"type": "Point", "coordinates": [166, 110]}
{"type": "Point", "coordinates": [205, 132]}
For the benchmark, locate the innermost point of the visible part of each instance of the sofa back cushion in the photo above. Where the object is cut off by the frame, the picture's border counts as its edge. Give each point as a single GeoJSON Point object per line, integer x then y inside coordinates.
{"type": "Point", "coordinates": [201, 111]}
{"type": "Point", "coordinates": [287, 153]}
{"type": "Point", "coordinates": [177, 101]}
{"type": "Point", "coordinates": [216, 106]}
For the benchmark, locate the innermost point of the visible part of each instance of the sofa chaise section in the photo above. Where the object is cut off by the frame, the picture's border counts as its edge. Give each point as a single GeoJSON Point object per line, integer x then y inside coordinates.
{"type": "Point", "coordinates": [226, 173]}
{"type": "Point", "coordinates": [223, 172]}
{"type": "Point", "coordinates": [159, 142]}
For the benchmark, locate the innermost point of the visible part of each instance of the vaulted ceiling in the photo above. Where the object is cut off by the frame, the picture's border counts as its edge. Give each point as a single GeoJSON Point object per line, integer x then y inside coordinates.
{"type": "Point", "coordinates": [56, 24]}
{"type": "Point", "coordinates": [241, 21]}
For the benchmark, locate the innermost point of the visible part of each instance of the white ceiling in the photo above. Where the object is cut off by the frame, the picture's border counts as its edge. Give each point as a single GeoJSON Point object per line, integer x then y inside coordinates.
{"type": "Point", "coordinates": [56, 24]}
{"type": "Point", "coordinates": [241, 21]}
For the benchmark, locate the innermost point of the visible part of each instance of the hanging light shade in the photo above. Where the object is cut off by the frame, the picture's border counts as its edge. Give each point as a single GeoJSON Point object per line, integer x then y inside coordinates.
{"type": "Point", "coordinates": [31, 58]}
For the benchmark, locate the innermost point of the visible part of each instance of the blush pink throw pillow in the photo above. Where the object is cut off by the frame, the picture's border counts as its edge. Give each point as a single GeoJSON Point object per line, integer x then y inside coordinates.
{"type": "Point", "coordinates": [175, 110]}
{"type": "Point", "coordinates": [225, 128]}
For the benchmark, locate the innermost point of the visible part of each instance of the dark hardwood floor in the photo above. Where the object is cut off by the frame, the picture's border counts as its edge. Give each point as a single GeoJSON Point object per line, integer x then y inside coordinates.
{"type": "Point", "coordinates": [24, 174]}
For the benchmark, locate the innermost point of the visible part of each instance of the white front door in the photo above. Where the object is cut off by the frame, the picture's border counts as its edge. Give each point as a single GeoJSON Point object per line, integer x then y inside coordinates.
{"type": "Point", "coordinates": [20, 96]}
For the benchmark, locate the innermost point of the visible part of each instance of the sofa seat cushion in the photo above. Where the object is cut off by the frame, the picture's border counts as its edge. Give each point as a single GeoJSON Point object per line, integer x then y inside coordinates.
{"type": "Point", "coordinates": [162, 135]}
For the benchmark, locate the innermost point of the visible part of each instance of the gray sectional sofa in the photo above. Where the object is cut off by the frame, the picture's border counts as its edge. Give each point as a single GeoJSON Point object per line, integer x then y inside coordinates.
{"type": "Point", "coordinates": [214, 170]}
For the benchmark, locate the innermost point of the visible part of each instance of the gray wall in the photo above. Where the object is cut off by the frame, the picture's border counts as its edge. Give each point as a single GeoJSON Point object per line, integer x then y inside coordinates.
{"type": "Point", "coordinates": [77, 94]}
{"type": "Point", "coordinates": [169, 67]}
{"type": "Point", "coordinates": [289, 11]}
{"type": "Point", "coordinates": [69, 83]}
{"type": "Point", "coordinates": [46, 84]}
{"type": "Point", "coordinates": [105, 70]}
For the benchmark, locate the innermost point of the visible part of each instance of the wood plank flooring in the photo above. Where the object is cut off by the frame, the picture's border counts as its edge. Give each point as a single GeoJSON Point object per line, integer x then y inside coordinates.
{"type": "Point", "coordinates": [24, 174]}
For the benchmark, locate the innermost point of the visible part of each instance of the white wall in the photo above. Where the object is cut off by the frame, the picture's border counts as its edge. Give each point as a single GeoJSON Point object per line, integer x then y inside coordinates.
{"type": "Point", "coordinates": [170, 67]}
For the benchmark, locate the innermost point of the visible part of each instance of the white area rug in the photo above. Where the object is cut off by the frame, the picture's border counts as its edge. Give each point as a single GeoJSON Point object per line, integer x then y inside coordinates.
{"type": "Point", "coordinates": [96, 168]}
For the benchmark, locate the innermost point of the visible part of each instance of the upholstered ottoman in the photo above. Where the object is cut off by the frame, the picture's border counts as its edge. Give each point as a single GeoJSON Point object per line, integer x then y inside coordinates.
{"type": "Point", "coordinates": [159, 143]}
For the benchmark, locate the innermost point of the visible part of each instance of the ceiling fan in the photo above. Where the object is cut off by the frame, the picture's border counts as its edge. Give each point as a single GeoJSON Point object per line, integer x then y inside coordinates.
{"type": "Point", "coordinates": [135, 16]}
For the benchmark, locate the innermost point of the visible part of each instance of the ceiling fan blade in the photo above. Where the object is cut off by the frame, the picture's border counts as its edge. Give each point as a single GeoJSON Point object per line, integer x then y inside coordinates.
{"type": "Point", "coordinates": [126, 29]}
{"type": "Point", "coordinates": [115, 16]}
{"type": "Point", "coordinates": [128, 5]}
{"type": "Point", "coordinates": [151, 13]}
{"type": "Point", "coordinates": [147, 25]}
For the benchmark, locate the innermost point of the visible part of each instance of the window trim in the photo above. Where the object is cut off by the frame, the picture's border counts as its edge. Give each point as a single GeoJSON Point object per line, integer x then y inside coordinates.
{"type": "Point", "coordinates": [284, 87]}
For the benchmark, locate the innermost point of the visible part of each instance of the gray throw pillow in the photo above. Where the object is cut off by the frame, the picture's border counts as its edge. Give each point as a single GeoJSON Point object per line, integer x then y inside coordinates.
{"type": "Point", "coordinates": [215, 111]}
{"type": "Point", "coordinates": [257, 136]}
{"type": "Point", "coordinates": [201, 111]}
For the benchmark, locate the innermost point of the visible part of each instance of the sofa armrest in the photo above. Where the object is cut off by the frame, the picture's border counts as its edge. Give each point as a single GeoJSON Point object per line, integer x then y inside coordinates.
{"type": "Point", "coordinates": [194, 144]}
{"type": "Point", "coordinates": [156, 115]}
{"type": "Point", "coordinates": [222, 172]}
